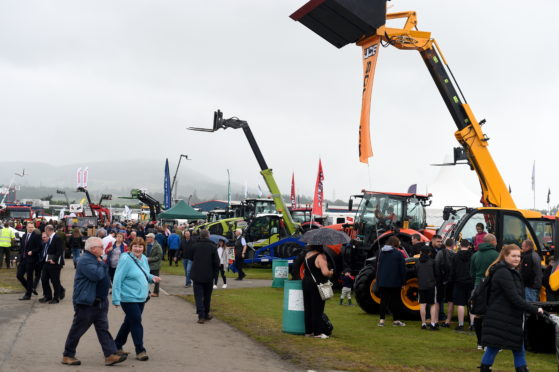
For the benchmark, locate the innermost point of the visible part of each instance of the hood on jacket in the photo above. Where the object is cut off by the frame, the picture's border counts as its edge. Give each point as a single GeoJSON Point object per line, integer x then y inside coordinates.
{"type": "Point", "coordinates": [387, 248]}
{"type": "Point", "coordinates": [485, 247]}
{"type": "Point", "coordinates": [464, 255]}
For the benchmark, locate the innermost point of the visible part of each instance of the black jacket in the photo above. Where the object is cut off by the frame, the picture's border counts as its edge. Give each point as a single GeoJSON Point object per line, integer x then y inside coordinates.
{"type": "Point", "coordinates": [531, 269]}
{"type": "Point", "coordinates": [56, 250]}
{"type": "Point", "coordinates": [205, 261]}
{"type": "Point", "coordinates": [460, 270]}
{"type": "Point", "coordinates": [391, 268]}
{"type": "Point", "coordinates": [415, 249]}
{"type": "Point", "coordinates": [185, 250]}
{"type": "Point", "coordinates": [30, 243]}
{"type": "Point", "coordinates": [503, 324]}
{"type": "Point", "coordinates": [426, 273]}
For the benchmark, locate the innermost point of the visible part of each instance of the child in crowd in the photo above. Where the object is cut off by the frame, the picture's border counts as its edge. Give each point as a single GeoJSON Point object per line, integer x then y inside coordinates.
{"type": "Point", "coordinates": [347, 280]}
{"type": "Point", "coordinates": [478, 239]}
{"type": "Point", "coordinates": [427, 288]}
{"type": "Point", "coordinates": [463, 281]}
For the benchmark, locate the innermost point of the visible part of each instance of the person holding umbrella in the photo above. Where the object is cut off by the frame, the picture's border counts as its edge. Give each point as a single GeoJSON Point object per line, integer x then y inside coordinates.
{"type": "Point", "coordinates": [317, 270]}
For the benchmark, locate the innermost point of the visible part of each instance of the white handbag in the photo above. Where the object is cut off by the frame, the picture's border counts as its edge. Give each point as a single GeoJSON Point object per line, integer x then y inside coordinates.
{"type": "Point", "coordinates": [324, 289]}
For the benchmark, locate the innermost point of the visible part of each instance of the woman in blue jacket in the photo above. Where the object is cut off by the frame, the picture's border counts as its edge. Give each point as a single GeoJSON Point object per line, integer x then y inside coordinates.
{"type": "Point", "coordinates": [130, 291]}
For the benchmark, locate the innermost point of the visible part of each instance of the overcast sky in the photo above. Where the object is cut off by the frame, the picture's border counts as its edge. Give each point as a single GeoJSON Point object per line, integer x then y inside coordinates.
{"type": "Point", "coordinates": [96, 80]}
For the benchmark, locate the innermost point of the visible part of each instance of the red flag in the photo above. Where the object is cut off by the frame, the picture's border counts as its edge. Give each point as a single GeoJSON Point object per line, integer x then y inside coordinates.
{"type": "Point", "coordinates": [318, 192]}
{"type": "Point", "coordinates": [293, 202]}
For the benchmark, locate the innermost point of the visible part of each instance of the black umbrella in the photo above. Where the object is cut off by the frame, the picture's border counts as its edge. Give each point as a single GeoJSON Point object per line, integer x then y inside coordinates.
{"type": "Point", "coordinates": [325, 236]}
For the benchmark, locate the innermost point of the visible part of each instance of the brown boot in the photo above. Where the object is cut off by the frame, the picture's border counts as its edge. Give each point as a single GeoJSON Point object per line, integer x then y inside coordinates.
{"type": "Point", "coordinates": [122, 352]}
{"type": "Point", "coordinates": [70, 361]}
{"type": "Point", "coordinates": [142, 356]}
{"type": "Point", "coordinates": [114, 359]}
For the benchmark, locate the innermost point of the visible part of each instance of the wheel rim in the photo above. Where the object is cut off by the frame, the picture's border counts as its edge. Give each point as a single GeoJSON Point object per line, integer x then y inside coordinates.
{"type": "Point", "coordinates": [410, 294]}
{"type": "Point", "coordinates": [373, 296]}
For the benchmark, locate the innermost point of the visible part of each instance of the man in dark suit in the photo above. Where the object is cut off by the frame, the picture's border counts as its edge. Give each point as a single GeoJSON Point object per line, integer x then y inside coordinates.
{"type": "Point", "coordinates": [52, 264]}
{"type": "Point", "coordinates": [30, 251]}
{"type": "Point", "coordinates": [205, 262]}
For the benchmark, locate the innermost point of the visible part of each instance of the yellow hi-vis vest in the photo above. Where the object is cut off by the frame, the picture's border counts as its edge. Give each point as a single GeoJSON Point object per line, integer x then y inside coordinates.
{"type": "Point", "coordinates": [6, 236]}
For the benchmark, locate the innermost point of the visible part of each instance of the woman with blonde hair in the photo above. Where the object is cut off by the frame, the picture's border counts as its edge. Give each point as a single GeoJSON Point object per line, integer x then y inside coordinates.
{"type": "Point", "coordinates": [503, 323]}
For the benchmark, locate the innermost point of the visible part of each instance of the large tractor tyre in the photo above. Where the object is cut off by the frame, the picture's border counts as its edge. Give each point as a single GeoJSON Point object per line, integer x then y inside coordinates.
{"type": "Point", "coordinates": [279, 251]}
{"type": "Point", "coordinates": [408, 304]}
{"type": "Point", "coordinates": [364, 290]}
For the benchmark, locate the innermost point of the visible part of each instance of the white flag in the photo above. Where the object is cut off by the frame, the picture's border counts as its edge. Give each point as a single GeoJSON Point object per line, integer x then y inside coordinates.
{"type": "Point", "coordinates": [246, 190]}
{"type": "Point", "coordinates": [85, 172]}
{"type": "Point", "coordinates": [534, 176]}
{"type": "Point", "coordinates": [259, 191]}
{"type": "Point", "coordinates": [79, 178]}
{"type": "Point", "coordinates": [127, 212]}
{"type": "Point", "coordinates": [61, 215]}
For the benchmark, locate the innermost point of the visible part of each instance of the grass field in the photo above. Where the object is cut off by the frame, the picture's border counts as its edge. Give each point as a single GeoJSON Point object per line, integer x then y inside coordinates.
{"type": "Point", "coordinates": [9, 282]}
{"type": "Point", "coordinates": [357, 343]}
{"type": "Point", "coordinates": [257, 272]}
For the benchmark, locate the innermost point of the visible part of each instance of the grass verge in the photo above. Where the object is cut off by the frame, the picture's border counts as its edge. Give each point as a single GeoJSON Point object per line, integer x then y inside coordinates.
{"type": "Point", "coordinates": [9, 282]}
{"type": "Point", "coordinates": [257, 272]}
{"type": "Point", "coordinates": [357, 343]}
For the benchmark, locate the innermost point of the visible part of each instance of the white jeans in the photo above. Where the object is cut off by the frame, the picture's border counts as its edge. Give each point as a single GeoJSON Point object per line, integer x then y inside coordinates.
{"type": "Point", "coordinates": [346, 293]}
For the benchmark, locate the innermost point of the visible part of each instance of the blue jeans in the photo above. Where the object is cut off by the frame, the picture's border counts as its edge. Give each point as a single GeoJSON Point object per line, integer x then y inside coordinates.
{"type": "Point", "coordinates": [531, 294]}
{"type": "Point", "coordinates": [187, 264]}
{"type": "Point", "coordinates": [490, 354]}
{"type": "Point", "coordinates": [132, 324]}
{"type": "Point", "coordinates": [76, 253]}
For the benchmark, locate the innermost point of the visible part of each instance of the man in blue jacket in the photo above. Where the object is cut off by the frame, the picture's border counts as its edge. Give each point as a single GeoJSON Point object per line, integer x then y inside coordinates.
{"type": "Point", "coordinates": [91, 305]}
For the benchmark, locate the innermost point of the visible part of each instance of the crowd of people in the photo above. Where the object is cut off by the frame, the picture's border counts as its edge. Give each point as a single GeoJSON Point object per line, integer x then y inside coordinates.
{"type": "Point", "coordinates": [123, 261]}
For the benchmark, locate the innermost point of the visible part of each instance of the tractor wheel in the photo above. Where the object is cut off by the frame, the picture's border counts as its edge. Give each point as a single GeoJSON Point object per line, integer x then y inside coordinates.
{"type": "Point", "coordinates": [279, 251]}
{"type": "Point", "coordinates": [408, 306]}
{"type": "Point", "coordinates": [364, 290]}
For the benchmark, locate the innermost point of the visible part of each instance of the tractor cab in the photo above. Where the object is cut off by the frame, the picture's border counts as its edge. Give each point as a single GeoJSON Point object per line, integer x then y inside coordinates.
{"type": "Point", "coordinates": [252, 208]}
{"type": "Point", "coordinates": [379, 213]}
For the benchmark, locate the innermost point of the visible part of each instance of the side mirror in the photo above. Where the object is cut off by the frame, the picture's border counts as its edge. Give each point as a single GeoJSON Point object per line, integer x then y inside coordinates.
{"type": "Point", "coordinates": [350, 205]}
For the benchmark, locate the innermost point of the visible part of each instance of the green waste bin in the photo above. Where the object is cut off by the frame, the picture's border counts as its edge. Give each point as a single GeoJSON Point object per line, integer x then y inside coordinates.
{"type": "Point", "coordinates": [280, 270]}
{"type": "Point", "coordinates": [293, 319]}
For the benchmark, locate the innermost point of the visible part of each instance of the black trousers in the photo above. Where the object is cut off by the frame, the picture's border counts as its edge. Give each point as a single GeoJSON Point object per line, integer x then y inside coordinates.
{"type": "Point", "coordinates": [172, 254]}
{"type": "Point", "coordinates": [239, 263]}
{"type": "Point", "coordinates": [314, 307]}
{"type": "Point", "coordinates": [51, 272]}
{"type": "Point", "coordinates": [24, 274]}
{"type": "Point", "coordinates": [38, 269]}
{"type": "Point", "coordinates": [203, 297]}
{"type": "Point", "coordinates": [84, 317]}
{"type": "Point", "coordinates": [217, 272]}
{"type": "Point", "coordinates": [389, 298]}
{"type": "Point", "coordinates": [156, 285]}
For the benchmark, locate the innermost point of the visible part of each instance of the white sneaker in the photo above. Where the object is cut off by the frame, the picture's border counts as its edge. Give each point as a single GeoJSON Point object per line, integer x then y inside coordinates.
{"type": "Point", "coordinates": [224, 286]}
{"type": "Point", "coordinates": [322, 336]}
{"type": "Point", "coordinates": [398, 323]}
{"type": "Point", "coordinates": [215, 286]}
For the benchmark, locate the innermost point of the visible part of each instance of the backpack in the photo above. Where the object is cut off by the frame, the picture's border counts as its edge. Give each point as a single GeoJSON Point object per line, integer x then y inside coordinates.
{"type": "Point", "coordinates": [479, 300]}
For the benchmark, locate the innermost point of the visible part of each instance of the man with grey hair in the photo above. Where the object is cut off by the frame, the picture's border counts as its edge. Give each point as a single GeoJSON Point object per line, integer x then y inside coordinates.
{"type": "Point", "coordinates": [91, 305]}
{"type": "Point", "coordinates": [240, 252]}
{"type": "Point", "coordinates": [53, 262]}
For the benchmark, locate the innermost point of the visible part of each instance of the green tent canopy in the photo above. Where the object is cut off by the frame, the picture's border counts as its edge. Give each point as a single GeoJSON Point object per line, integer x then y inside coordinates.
{"type": "Point", "coordinates": [181, 211]}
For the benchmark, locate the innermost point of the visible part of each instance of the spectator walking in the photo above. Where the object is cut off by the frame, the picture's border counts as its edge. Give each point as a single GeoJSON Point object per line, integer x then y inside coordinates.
{"type": "Point", "coordinates": [130, 291]}
{"type": "Point", "coordinates": [161, 238]}
{"type": "Point", "coordinates": [53, 263]}
{"type": "Point", "coordinates": [316, 265]}
{"type": "Point", "coordinates": [30, 250]}
{"type": "Point", "coordinates": [463, 282]}
{"type": "Point", "coordinates": [114, 252]}
{"type": "Point", "coordinates": [174, 242]}
{"type": "Point", "coordinates": [154, 254]}
{"type": "Point", "coordinates": [391, 276]}
{"type": "Point", "coordinates": [478, 238]}
{"type": "Point", "coordinates": [443, 266]}
{"type": "Point", "coordinates": [480, 261]}
{"type": "Point", "coordinates": [223, 261]}
{"type": "Point", "coordinates": [347, 286]}
{"type": "Point", "coordinates": [91, 305]}
{"type": "Point", "coordinates": [503, 323]}
{"type": "Point", "coordinates": [184, 253]}
{"type": "Point", "coordinates": [76, 245]}
{"type": "Point", "coordinates": [7, 238]}
{"type": "Point", "coordinates": [427, 277]}
{"type": "Point", "coordinates": [531, 271]}
{"type": "Point", "coordinates": [205, 262]}
{"type": "Point", "coordinates": [240, 252]}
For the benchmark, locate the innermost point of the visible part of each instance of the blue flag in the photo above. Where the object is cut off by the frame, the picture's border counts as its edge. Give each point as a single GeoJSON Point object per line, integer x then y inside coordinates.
{"type": "Point", "coordinates": [167, 186]}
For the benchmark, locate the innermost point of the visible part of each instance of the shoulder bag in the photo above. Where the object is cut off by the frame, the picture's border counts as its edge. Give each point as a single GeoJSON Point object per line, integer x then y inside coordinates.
{"type": "Point", "coordinates": [324, 289]}
{"type": "Point", "coordinates": [146, 275]}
